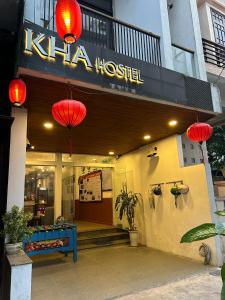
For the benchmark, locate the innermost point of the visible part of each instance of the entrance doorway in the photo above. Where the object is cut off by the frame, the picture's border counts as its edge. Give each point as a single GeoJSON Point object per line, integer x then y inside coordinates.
{"type": "Point", "coordinates": [79, 188]}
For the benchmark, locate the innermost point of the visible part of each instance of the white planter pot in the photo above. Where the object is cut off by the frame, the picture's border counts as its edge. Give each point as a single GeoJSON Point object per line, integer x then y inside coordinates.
{"type": "Point", "coordinates": [133, 238]}
{"type": "Point", "coordinates": [12, 249]}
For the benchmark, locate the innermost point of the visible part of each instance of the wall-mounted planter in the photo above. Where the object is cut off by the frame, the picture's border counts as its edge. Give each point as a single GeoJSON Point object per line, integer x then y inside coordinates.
{"type": "Point", "coordinates": [183, 188]}
{"type": "Point", "coordinates": [157, 190]}
{"type": "Point", "coordinates": [175, 192]}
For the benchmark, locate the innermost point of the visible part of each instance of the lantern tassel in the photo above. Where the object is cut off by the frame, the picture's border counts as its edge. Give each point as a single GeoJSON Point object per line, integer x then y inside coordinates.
{"type": "Point", "coordinates": [201, 149]}
{"type": "Point", "coordinates": [70, 142]}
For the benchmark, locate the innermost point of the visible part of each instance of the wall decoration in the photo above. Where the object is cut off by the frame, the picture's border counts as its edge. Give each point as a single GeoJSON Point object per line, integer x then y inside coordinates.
{"type": "Point", "coordinates": [90, 187]}
{"type": "Point", "coordinates": [106, 180]}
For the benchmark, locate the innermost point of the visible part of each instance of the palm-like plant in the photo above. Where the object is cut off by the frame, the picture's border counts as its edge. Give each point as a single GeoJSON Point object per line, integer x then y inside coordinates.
{"type": "Point", "coordinates": [125, 204]}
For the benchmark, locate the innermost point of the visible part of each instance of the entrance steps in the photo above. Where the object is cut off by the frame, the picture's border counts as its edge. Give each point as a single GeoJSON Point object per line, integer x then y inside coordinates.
{"type": "Point", "coordinates": [102, 238]}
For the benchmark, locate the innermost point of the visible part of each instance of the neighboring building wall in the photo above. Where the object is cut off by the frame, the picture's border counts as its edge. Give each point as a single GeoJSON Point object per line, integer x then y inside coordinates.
{"type": "Point", "coordinates": [205, 17]}
{"type": "Point", "coordinates": [165, 225]}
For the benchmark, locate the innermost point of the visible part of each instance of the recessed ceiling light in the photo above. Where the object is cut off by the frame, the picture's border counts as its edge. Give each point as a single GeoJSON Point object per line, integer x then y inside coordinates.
{"type": "Point", "coordinates": [111, 152]}
{"type": "Point", "coordinates": [48, 125]}
{"type": "Point", "coordinates": [147, 137]}
{"type": "Point", "coordinates": [32, 147]}
{"type": "Point", "coordinates": [173, 123]}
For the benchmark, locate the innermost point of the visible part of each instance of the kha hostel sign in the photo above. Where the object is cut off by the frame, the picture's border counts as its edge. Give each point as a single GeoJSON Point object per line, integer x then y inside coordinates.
{"type": "Point", "coordinates": [48, 50]}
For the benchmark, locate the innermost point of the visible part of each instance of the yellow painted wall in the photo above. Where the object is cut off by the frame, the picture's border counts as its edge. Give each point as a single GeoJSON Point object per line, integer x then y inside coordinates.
{"type": "Point", "coordinates": [163, 227]}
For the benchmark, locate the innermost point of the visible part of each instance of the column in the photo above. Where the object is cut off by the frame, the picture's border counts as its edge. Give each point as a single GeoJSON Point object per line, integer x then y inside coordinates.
{"type": "Point", "coordinates": [16, 178]}
{"type": "Point", "coordinates": [58, 186]}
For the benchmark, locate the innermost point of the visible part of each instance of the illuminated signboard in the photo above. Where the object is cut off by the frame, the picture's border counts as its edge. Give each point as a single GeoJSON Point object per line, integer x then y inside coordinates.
{"type": "Point", "coordinates": [45, 47]}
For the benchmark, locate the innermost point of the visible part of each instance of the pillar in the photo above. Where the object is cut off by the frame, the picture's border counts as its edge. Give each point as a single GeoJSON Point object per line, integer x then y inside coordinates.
{"type": "Point", "coordinates": [16, 178]}
{"type": "Point", "coordinates": [58, 186]}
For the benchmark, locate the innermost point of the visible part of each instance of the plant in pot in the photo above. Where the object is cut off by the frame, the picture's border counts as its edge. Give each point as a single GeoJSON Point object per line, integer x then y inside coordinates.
{"type": "Point", "coordinates": [15, 229]}
{"type": "Point", "coordinates": [125, 205]}
{"type": "Point", "coordinates": [175, 192]}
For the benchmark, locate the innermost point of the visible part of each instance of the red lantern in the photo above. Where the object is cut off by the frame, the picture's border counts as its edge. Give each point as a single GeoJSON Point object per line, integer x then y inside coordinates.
{"type": "Point", "coordinates": [199, 132]}
{"type": "Point", "coordinates": [69, 113]}
{"type": "Point", "coordinates": [17, 92]}
{"type": "Point", "coordinates": [68, 20]}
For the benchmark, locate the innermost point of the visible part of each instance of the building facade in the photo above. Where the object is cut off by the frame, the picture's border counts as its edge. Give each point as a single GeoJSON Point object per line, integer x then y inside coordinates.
{"type": "Point", "coordinates": [211, 16]}
{"type": "Point", "coordinates": [139, 68]}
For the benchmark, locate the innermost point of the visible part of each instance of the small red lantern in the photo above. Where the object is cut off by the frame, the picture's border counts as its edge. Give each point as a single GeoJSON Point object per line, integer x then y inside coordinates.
{"type": "Point", "coordinates": [68, 20]}
{"type": "Point", "coordinates": [17, 92]}
{"type": "Point", "coordinates": [69, 113]}
{"type": "Point", "coordinates": [199, 132]}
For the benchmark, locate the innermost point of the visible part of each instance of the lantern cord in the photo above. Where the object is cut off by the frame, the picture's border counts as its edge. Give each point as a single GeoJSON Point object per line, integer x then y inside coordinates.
{"type": "Point", "coordinates": [197, 117]}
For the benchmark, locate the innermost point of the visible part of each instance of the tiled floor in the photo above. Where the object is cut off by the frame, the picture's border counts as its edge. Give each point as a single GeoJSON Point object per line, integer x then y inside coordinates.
{"type": "Point", "coordinates": [107, 273]}
{"type": "Point", "coordinates": [83, 226]}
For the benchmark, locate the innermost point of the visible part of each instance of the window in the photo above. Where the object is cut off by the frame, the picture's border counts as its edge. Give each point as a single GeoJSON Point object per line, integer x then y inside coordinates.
{"type": "Point", "coordinates": [219, 26]}
{"type": "Point", "coordinates": [192, 146]}
{"type": "Point", "coordinates": [193, 160]}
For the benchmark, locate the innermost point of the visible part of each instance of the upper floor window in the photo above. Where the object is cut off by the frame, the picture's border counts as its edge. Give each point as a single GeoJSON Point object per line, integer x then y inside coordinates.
{"type": "Point", "coordinates": [104, 6]}
{"type": "Point", "coordinates": [218, 26]}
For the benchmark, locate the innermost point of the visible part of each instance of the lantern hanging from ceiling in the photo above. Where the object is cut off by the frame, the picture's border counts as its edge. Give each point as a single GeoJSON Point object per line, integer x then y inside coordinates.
{"type": "Point", "coordinates": [68, 20]}
{"type": "Point", "coordinates": [199, 132]}
{"type": "Point", "coordinates": [69, 113]}
{"type": "Point", "coordinates": [17, 92]}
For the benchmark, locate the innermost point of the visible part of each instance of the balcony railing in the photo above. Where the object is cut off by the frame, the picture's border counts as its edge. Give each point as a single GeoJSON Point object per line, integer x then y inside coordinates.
{"type": "Point", "coordinates": [214, 53]}
{"type": "Point", "coordinates": [183, 60]}
{"type": "Point", "coordinates": [101, 30]}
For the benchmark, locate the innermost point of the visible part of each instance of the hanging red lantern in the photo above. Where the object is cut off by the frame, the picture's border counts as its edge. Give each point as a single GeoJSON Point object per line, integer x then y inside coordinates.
{"type": "Point", "coordinates": [68, 20]}
{"type": "Point", "coordinates": [69, 113]}
{"type": "Point", "coordinates": [199, 132]}
{"type": "Point", "coordinates": [17, 92]}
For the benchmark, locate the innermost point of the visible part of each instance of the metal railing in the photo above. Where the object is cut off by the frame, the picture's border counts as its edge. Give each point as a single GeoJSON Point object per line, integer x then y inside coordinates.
{"type": "Point", "coordinates": [102, 30]}
{"type": "Point", "coordinates": [214, 53]}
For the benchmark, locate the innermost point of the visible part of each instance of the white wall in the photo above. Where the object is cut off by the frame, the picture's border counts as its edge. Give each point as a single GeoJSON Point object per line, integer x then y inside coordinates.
{"type": "Point", "coordinates": [165, 225]}
{"type": "Point", "coordinates": [17, 161]}
{"type": "Point", "coordinates": [150, 15]}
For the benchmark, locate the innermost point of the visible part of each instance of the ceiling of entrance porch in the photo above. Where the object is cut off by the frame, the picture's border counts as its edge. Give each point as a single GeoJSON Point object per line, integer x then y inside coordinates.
{"type": "Point", "coordinates": [113, 122]}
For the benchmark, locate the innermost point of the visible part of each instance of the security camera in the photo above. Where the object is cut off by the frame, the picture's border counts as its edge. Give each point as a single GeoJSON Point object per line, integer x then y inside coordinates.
{"type": "Point", "coordinates": [153, 152]}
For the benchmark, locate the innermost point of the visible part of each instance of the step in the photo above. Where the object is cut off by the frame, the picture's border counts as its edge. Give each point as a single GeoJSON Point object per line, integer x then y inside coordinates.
{"type": "Point", "coordinates": [112, 243]}
{"type": "Point", "coordinates": [101, 238]}
{"type": "Point", "coordinates": [101, 231]}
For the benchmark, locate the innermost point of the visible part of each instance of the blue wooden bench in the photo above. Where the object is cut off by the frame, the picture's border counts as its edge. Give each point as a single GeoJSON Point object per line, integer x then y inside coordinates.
{"type": "Point", "coordinates": [52, 238]}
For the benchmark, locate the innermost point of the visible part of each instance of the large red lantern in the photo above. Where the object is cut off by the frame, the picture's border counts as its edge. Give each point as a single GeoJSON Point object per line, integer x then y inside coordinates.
{"type": "Point", "coordinates": [69, 113]}
{"type": "Point", "coordinates": [68, 20]}
{"type": "Point", "coordinates": [199, 132]}
{"type": "Point", "coordinates": [17, 92]}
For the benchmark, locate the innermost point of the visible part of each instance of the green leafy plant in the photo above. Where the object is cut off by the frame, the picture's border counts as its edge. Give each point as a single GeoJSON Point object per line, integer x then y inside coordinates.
{"type": "Point", "coordinates": [125, 204]}
{"type": "Point", "coordinates": [15, 225]}
{"type": "Point", "coordinates": [206, 231]}
{"type": "Point", "coordinates": [216, 148]}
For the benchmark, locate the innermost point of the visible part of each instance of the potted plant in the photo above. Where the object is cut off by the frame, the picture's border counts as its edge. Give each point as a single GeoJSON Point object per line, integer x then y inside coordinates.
{"type": "Point", "coordinates": [125, 204]}
{"type": "Point", "coordinates": [175, 192]}
{"type": "Point", "coordinates": [16, 229]}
